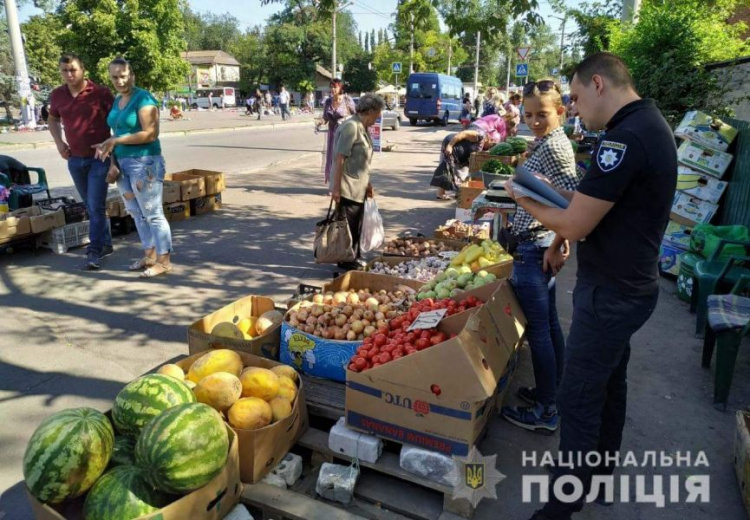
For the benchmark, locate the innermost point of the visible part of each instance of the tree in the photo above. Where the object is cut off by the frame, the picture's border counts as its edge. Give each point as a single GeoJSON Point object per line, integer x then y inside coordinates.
{"type": "Point", "coordinates": [358, 77]}
{"type": "Point", "coordinates": [219, 31]}
{"type": "Point", "coordinates": [193, 33]}
{"type": "Point", "coordinates": [41, 34]}
{"type": "Point", "coordinates": [380, 37]}
{"type": "Point", "coordinates": [8, 91]}
{"type": "Point", "coordinates": [246, 50]}
{"type": "Point", "coordinates": [596, 22]}
{"type": "Point", "coordinates": [382, 59]}
{"type": "Point", "coordinates": [360, 40]}
{"type": "Point", "coordinates": [367, 45]}
{"type": "Point", "coordinates": [372, 41]}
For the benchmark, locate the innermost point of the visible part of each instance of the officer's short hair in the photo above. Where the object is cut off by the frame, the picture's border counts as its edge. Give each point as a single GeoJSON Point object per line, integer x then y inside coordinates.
{"type": "Point", "coordinates": [604, 64]}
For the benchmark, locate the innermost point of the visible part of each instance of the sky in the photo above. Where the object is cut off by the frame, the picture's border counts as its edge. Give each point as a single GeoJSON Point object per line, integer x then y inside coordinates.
{"type": "Point", "coordinates": [369, 14]}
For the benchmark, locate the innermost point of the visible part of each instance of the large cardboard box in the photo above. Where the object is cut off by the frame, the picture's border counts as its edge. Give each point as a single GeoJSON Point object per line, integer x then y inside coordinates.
{"type": "Point", "coordinates": [213, 501]}
{"type": "Point", "coordinates": [678, 234]}
{"type": "Point", "coordinates": [703, 159]}
{"type": "Point", "coordinates": [705, 130]}
{"type": "Point", "coordinates": [689, 211]}
{"type": "Point", "coordinates": [171, 192]}
{"type": "Point", "coordinates": [441, 398]}
{"type": "Point", "coordinates": [191, 186]}
{"type": "Point", "coordinates": [207, 204]}
{"type": "Point", "coordinates": [467, 192]}
{"type": "Point", "coordinates": [454, 245]}
{"type": "Point", "coordinates": [41, 223]}
{"type": "Point", "coordinates": [700, 185]}
{"type": "Point", "coordinates": [261, 450]}
{"type": "Point", "coordinates": [214, 181]}
{"type": "Point", "coordinates": [177, 211]}
{"type": "Point", "coordinates": [14, 224]}
{"type": "Point", "coordinates": [669, 257]}
{"type": "Point", "coordinates": [742, 456]}
{"type": "Point", "coordinates": [267, 345]}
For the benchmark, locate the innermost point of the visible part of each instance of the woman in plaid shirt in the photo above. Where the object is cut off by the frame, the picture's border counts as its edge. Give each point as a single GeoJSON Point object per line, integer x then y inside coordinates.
{"type": "Point", "coordinates": [538, 256]}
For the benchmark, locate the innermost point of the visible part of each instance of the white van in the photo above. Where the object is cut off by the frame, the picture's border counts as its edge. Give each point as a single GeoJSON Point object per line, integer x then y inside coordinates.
{"type": "Point", "coordinates": [200, 99]}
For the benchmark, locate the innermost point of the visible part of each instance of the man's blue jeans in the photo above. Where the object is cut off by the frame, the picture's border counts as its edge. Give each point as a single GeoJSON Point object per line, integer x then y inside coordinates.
{"type": "Point", "coordinates": [90, 179]}
{"type": "Point", "coordinates": [535, 290]}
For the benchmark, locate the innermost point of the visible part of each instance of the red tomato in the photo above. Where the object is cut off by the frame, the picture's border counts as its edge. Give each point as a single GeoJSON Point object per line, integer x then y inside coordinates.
{"type": "Point", "coordinates": [385, 357]}
{"type": "Point", "coordinates": [396, 323]}
{"type": "Point", "coordinates": [397, 355]}
{"type": "Point", "coordinates": [380, 340]}
{"type": "Point", "coordinates": [410, 351]}
{"type": "Point", "coordinates": [434, 340]}
{"type": "Point", "coordinates": [372, 353]}
{"type": "Point", "coordinates": [472, 301]}
{"type": "Point", "coordinates": [397, 352]}
{"type": "Point", "coordinates": [353, 368]}
{"type": "Point", "coordinates": [375, 365]}
{"type": "Point", "coordinates": [452, 303]}
{"type": "Point", "coordinates": [423, 343]}
{"type": "Point", "coordinates": [360, 362]}
{"type": "Point", "coordinates": [390, 348]}
{"type": "Point", "coordinates": [383, 330]}
{"type": "Point", "coordinates": [424, 334]}
{"type": "Point", "coordinates": [462, 303]}
{"type": "Point", "coordinates": [461, 308]}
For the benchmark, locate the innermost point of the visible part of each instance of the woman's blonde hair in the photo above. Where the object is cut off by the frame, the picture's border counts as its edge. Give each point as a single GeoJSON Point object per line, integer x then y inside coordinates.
{"type": "Point", "coordinates": [544, 88]}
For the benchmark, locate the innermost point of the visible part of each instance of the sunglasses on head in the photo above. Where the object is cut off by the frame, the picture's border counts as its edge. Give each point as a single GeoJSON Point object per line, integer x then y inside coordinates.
{"type": "Point", "coordinates": [543, 86]}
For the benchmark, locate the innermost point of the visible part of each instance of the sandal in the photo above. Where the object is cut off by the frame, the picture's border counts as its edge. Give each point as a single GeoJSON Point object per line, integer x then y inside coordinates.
{"type": "Point", "coordinates": [156, 270]}
{"type": "Point", "coordinates": [141, 264]}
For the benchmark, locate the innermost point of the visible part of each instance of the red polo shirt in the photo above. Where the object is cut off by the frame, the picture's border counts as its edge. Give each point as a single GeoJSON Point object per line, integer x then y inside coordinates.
{"type": "Point", "coordinates": [84, 117]}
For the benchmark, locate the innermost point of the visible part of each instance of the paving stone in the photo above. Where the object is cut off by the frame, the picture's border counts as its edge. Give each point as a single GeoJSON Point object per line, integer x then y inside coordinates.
{"type": "Point", "coordinates": [336, 482]}
{"type": "Point", "coordinates": [290, 468]}
{"type": "Point", "coordinates": [354, 444]}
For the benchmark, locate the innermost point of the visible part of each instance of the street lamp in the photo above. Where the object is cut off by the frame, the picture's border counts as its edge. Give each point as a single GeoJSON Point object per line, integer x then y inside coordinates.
{"type": "Point", "coordinates": [563, 18]}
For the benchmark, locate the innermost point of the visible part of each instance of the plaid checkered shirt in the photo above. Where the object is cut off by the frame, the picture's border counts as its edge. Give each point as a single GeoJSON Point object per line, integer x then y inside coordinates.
{"type": "Point", "coordinates": [553, 157]}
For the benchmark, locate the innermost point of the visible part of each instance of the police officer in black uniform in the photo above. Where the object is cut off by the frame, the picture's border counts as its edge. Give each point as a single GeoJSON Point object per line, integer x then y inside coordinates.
{"type": "Point", "coordinates": [619, 213]}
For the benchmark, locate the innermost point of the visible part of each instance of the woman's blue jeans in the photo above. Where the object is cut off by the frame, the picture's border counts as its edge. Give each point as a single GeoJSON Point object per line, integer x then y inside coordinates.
{"type": "Point", "coordinates": [535, 290]}
{"type": "Point", "coordinates": [143, 177]}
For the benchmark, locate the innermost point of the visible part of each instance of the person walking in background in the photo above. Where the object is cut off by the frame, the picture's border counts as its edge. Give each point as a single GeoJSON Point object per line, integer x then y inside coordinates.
{"type": "Point", "coordinates": [210, 101]}
{"type": "Point", "coordinates": [465, 117]}
{"type": "Point", "coordinates": [82, 106]}
{"type": "Point", "coordinates": [337, 107]}
{"type": "Point", "coordinates": [259, 102]}
{"type": "Point", "coordinates": [136, 149]}
{"type": "Point", "coordinates": [351, 169]}
{"type": "Point", "coordinates": [284, 103]}
{"type": "Point", "coordinates": [513, 113]}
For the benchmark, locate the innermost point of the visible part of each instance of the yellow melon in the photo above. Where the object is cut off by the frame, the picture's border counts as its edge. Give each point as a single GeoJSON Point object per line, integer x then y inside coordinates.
{"type": "Point", "coordinates": [172, 370]}
{"type": "Point", "coordinates": [219, 390]}
{"type": "Point", "coordinates": [250, 413]}
{"type": "Point", "coordinates": [285, 370]}
{"type": "Point", "coordinates": [259, 382]}
{"type": "Point", "coordinates": [247, 326]}
{"type": "Point", "coordinates": [287, 388]}
{"type": "Point", "coordinates": [267, 321]}
{"type": "Point", "coordinates": [281, 407]}
{"type": "Point", "coordinates": [220, 360]}
{"type": "Point", "coordinates": [226, 329]}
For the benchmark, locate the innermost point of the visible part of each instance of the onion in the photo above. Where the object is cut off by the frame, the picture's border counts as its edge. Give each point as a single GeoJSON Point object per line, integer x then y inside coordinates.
{"type": "Point", "coordinates": [328, 333]}
{"type": "Point", "coordinates": [358, 327]}
{"type": "Point", "coordinates": [379, 316]}
{"type": "Point", "coordinates": [340, 297]}
{"type": "Point", "coordinates": [316, 310]}
{"type": "Point", "coordinates": [302, 315]}
{"type": "Point", "coordinates": [309, 329]}
{"type": "Point", "coordinates": [369, 331]}
{"type": "Point", "coordinates": [390, 315]}
{"type": "Point", "coordinates": [347, 327]}
{"type": "Point", "coordinates": [353, 298]}
{"type": "Point", "coordinates": [327, 308]}
{"type": "Point", "coordinates": [366, 322]}
{"type": "Point", "coordinates": [294, 322]}
{"type": "Point", "coordinates": [368, 315]}
{"type": "Point", "coordinates": [339, 334]}
{"type": "Point", "coordinates": [372, 304]}
{"type": "Point", "coordinates": [383, 308]}
{"type": "Point", "coordinates": [382, 323]}
{"type": "Point", "coordinates": [318, 298]}
{"type": "Point", "coordinates": [351, 335]}
{"type": "Point", "coordinates": [322, 320]}
{"type": "Point", "coordinates": [348, 310]}
{"type": "Point", "coordinates": [341, 319]}
{"type": "Point", "coordinates": [311, 320]}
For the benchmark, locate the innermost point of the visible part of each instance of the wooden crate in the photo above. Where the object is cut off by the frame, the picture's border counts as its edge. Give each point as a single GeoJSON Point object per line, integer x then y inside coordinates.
{"type": "Point", "coordinates": [477, 159]}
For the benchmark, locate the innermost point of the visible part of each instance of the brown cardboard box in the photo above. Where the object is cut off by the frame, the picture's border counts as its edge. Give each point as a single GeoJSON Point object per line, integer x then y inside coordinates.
{"type": "Point", "coordinates": [14, 225]}
{"type": "Point", "coordinates": [47, 221]}
{"type": "Point", "coordinates": [398, 400]}
{"type": "Point", "coordinates": [116, 206]}
{"type": "Point", "coordinates": [477, 159]}
{"type": "Point", "coordinates": [177, 211]}
{"type": "Point", "coordinates": [261, 450]}
{"type": "Point", "coordinates": [456, 245]}
{"type": "Point", "coordinates": [467, 192]}
{"type": "Point", "coordinates": [211, 502]}
{"type": "Point", "coordinates": [214, 180]}
{"type": "Point", "coordinates": [170, 192]}
{"type": "Point", "coordinates": [374, 282]}
{"type": "Point", "coordinates": [206, 204]}
{"type": "Point", "coordinates": [191, 186]}
{"type": "Point", "coordinates": [267, 345]}
{"type": "Point", "coordinates": [742, 456]}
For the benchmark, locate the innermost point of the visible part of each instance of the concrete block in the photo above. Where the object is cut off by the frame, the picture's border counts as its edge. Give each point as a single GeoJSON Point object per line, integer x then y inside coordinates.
{"type": "Point", "coordinates": [336, 482]}
{"type": "Point", "coordinates": [239, 512]}
{"type": "Point", "coordinates": [428, 464]}
{"type": "Point", "coordinates": [290, 468]}
{"type": "Point", "coordinates": [274, 480]}
{"type": "Point", "coordinates": [354, 444]}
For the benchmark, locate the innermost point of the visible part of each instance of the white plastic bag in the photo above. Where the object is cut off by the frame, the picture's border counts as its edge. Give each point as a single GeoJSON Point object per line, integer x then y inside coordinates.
{"type": "Point", "coordinates": [373, 234]}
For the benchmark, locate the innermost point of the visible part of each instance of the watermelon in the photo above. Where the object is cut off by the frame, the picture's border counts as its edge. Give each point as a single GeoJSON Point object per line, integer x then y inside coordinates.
{"type": "Point", "coordinates": [501, 149]}
{"type": "Point", "coordinates": [124, 452]}
{"type": "Point", "coordinates": [518, 144]}
{"type": "Point", "coordinates": [183, 448]}
{"type": "Point", "coordinates": [67, 453]}
{"type": "Point", "coordinates": [145, 398]}
{"type": "Point", "coordinates": [123, 494]}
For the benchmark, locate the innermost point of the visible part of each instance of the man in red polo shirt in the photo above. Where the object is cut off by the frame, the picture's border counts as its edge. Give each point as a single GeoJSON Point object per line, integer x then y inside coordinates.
{"type": "Point", "coordinates": [82, 107]}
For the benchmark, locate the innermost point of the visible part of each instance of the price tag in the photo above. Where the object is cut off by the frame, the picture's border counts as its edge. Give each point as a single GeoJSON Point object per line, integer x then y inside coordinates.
{"type": "Point", "coordinates": [427, 320]}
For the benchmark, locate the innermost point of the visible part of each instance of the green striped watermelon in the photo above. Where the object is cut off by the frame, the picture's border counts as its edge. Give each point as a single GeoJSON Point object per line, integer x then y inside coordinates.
{"type": "Point", "coordinates": [145, 398]}
{"type": "Point", "coordinates": [123, 494]}
{"type": "Point", "coordinates": [124, 451]}
{"type": "Point", "coordinates": [183, 448]}
{"type": "Point", "coordinates": [67, 453]}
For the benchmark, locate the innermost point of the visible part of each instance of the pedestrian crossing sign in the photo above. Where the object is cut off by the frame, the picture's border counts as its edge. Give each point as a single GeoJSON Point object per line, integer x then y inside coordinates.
{"type": "Point", "coordinates": [522, 70]}
{"type": "Point", "coordinates": [396, 67]}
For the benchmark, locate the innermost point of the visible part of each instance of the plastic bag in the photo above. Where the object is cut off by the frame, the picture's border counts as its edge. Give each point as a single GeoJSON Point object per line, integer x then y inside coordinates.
{"type": "Point", "coordinates": [373, 234]}
{"type": "Point", "coordinates": [705, 240]}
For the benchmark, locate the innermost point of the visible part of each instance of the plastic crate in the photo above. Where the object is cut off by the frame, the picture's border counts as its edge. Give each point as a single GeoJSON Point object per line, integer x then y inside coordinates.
{"type": "Point", "coordinates": [74, 211]}
{"type": "Point", "coordinates": [62, 239]}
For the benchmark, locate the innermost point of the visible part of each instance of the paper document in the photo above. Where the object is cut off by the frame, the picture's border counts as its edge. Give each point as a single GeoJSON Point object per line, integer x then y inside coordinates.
{"type": "Point", "coordinates": [527, 184]}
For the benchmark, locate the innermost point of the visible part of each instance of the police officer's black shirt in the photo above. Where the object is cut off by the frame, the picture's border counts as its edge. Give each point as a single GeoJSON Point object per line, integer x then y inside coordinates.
{"type": "Point", "coordinates": [635, 166]}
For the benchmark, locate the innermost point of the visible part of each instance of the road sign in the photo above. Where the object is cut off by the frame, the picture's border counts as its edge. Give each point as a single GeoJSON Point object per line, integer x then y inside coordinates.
{"type": "Point", "coordinates": [564, 80]}
{"type": "Point", "coordinates": [523, 52]}
{"type": "Point", "coordinates": [522, 70]}
{"type": "Point", "coordinates": [396, 67]}
{"type": "Point", "coordinates": [555, 72]}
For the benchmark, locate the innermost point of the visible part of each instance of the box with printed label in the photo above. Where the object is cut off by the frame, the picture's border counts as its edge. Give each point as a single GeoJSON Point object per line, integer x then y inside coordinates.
{"type": "Point", "coordinates": [669, 256]}
{"type": "Point", "coordinates": [705, 130]}
{"type": "Point", "coordinates": [689, 211]}
{"type": "Point", "coordinates": [700, 185]}
{"type": "Point", "coordinates": [469, 191]}
{"type": "Point", "coordinates": [170, 192]}
{"type": "Point", "coordinates": [427, 402]}
{"type": "Point", "coordinates": [206, 204]}
{"type": "Point", "coordinates": [214, 180]}
{"type": "Point", "coordinates": [191, 186]}
{"type": "Point", "coordinates": [678, 234]}
{"type": "Point", "coordinates": [177, 211]}
{"type": "Point", "coordinates": [703, 159]}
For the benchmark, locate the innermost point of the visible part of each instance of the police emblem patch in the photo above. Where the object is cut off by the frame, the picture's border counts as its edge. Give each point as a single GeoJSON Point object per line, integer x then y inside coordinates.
{"type": "Point", "coordinates": [610, 155]}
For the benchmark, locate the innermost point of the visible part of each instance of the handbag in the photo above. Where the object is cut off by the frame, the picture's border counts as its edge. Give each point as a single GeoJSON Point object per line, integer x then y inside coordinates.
{"type": "Point", "coordinates": [333, 239]}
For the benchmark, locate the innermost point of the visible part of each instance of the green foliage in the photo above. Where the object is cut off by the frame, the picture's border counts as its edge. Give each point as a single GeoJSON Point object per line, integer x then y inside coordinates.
{"type": "Point", "coordinates": [43, 51]}
{"type": "Point", "coordinates": [306, 86]}
{"type": "Point", "coordinates": [669, 47]}
{"type": "Point", "coordinates": [596, 22]}
{"type": "Point", "coordinates": [358, 77]}
{"type": "Point", "coordinates": [8, 94]}
{"type": "Point", "coordinates": [149, 33]}
{"type": "Point", "coordinates": [247, 50]}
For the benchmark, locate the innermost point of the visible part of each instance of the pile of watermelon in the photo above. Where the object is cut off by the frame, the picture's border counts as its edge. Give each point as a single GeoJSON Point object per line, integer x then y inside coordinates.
{"type": "Point", "coordinates": [163, 444]}
{"type": "Point", "coordinates": [511, 146]}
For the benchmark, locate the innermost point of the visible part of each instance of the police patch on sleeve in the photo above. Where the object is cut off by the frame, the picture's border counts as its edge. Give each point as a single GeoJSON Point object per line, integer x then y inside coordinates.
{"type": "Point", "coordinates": [610, 155]}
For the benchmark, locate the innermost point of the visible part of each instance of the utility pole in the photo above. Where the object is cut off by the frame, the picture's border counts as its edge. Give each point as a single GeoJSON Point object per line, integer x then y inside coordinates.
{"type": "Point", "coordinates": [562, 46]}
{"type": "Point", "coordinates": [450, 54]}
{"type": "Point", "coordinates": [411, 45]}
{"type": "Point", "coordinates": [630, 10]}
{"type": "Point", "coordinates": [476, 66]}
{"type": "Point", "coordinates": [19, 61]}
{"type": "Point", "coordinates": [507, 80]}
{"type": "Point", "coordinates": [333, 52]}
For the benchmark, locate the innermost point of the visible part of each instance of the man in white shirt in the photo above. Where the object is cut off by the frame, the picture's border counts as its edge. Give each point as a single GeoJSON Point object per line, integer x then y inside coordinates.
{"type": "Point", "coordinates": [284, 103]}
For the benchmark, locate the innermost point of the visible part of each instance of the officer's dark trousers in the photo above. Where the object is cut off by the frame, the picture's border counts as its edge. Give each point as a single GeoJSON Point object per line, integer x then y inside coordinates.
{"type": "Point", "coordinates": [593, 392]}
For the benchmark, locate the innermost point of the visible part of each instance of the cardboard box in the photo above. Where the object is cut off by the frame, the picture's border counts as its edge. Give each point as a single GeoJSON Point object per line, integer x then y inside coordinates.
{"type": "Point", "coordinates": [455, 245]}
{"type": "Point", "coordinates": [214, 180]}
{"type": "Point", "coordinates": [171, 192]}
{"type": "Point", "coordinates": [703, 159]}
{"type": "Point", "coordinates": [689, 211]}
{"type": "Point", "coordinates": [396, 400]}
{"type": "Point", "coordinates": [14, 224]}
{"type": "Point", "coordinates": [477, 159]}
{"type": "Point", "coordinates": [742, 456]}
{"type": "Point", "coordinates": [211, 502]}
{"type": "Point", "coordinates": [116, 206]}
{"type": "Point", "coordinates": [267, 345]}
{"type": "Point", "coordinates": [177, 211]}
{"type": "Point", "coordinates": [669, 257]}
{"type": "Point", "coordinates": [191, 186]}
{"type": "Point", "coordinates": [206, 204]}
{"type": "Point", "coordinates": [700, 185]}
{"type": "Point", "coordinates": [705, 130]}
{"type": "Point", "coordinates": [464, 214]}
{"type": "Point", "coordinates": [261, 450]}
{"type": "Point", "coordinates": [47, 221]}
{"type": "Point", "coordinates": [467, 192]}
{"type": "Point", "coordinates": [678, 234]}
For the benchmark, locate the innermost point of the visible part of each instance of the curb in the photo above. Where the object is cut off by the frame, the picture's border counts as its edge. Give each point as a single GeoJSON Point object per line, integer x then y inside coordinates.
{"type": "Point", "coordinates": [176, 133]}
